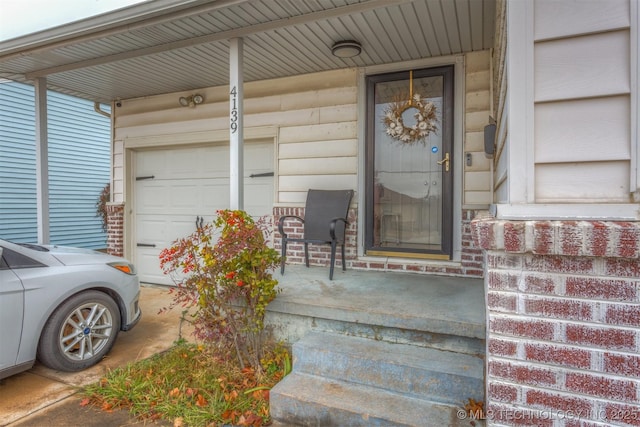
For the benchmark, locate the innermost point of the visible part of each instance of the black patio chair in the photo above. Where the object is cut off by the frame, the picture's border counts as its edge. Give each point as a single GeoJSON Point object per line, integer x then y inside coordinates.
{"type": "Point", "coordinates": [325, 222]}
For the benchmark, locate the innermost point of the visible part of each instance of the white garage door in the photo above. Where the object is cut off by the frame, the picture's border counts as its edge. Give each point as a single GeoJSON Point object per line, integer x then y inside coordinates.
{"type": "Point", "coordinates": [174, 187]}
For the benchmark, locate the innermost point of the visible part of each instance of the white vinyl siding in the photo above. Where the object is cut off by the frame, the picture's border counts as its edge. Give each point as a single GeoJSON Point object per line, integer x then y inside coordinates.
{"type": "Point", "coordinates": [589, 66]}
{"type": "Point", "coordinates": [314, 116]}
{"type": "Point", "coordinates": [582, 95]}
{"type": "Point", "coordinates": [79, 156]}
{"type": "Point", "coordinates": [558, 19]}
{"type": "Point", "coordinates": [570, 118]}
{"type": "Point", "coordinates": [477, 176]}
{"type": "Point", "coordinates": [582, 130]}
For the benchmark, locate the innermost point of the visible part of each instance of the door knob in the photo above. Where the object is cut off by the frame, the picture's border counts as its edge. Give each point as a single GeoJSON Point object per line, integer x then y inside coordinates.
{"type": "Point", "coordinates": [445, 161]}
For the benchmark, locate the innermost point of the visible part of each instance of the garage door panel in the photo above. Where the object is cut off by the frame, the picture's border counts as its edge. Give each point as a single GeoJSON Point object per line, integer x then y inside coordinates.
{"type": "Point", "coordinates": [258, 198]}
{"type": "Point", "coordinates": [150, 163]}
{"type": "Point", "coordinates": [148, 266]}
{"type": "Point", "coordinates": [214, 196]}
{"type": "Point", "coordinates": [189, 183]}
{"type": "Point", "coordinates": [150, 196]}
{"type": "Point", "coordinates": [153, 229]}
{"type": "Point", "coordinates": [203, 162]}
{"type": "Point", "coordinates": [183, 197]}
{"type": "Point", "coordinates": [161, 230]}
{"type": "Point", "coordinates": [191, 196]}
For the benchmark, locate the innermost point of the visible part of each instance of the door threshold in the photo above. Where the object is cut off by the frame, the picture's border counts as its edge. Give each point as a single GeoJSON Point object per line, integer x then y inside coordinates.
{"type": "Point", "coordinates": [393, 254]}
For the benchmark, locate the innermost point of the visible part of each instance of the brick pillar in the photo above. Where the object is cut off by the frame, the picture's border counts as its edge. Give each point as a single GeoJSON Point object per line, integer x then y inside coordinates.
{"type": "Point", "coordinates": [115, 229]}
{"type": "Point", "coordinates": [471, 258]}
{"type": "Point", "coordinates": [563, 333]}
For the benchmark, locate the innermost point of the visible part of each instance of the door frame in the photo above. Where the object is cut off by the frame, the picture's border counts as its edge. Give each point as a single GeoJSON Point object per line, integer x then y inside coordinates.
{"type": "Point", "coordinates": [458, 61]}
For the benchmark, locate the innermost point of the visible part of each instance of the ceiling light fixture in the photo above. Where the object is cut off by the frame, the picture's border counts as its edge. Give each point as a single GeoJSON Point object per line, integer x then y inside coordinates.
{"type": "Point", "coordinates": [346, 49]}
{"type": "Point", "coordinates": [191, 100]}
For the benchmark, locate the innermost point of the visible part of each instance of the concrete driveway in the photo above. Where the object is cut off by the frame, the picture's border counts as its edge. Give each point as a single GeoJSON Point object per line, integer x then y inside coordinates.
{"type": "Point", "coordinates": [39, 394]}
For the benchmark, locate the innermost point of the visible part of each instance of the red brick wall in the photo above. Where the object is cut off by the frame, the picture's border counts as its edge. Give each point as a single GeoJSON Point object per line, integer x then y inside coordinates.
{"type": "Point", "coordinates": [471, 258]}
{"type": "Point", "coordinates": [563, 303]}
{"type": "Point", "coordinates": [115, 229]}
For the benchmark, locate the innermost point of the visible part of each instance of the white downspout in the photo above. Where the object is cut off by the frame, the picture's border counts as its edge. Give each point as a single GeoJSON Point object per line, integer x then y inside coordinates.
{"type": "Point", "coordinates": [97, 109]}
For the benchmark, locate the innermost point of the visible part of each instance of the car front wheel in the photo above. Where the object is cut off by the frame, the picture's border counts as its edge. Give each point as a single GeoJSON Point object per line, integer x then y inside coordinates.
{"type": "Point", "coordinates": [80, 332]}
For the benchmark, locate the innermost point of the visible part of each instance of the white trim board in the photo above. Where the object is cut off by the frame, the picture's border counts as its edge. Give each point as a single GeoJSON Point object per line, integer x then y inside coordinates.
{"type": "Point", "coordinates": [542, 212]}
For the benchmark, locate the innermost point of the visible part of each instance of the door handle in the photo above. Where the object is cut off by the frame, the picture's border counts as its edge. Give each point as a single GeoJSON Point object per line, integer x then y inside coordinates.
{"type": "Point", "coordinates": [260, 175]}
{"type": "Point", "coordinates": [445, 161]}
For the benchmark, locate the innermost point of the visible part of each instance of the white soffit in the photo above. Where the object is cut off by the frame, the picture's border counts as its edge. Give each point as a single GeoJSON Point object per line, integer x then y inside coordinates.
{"type": "Point", "coordinates": [165, 46]}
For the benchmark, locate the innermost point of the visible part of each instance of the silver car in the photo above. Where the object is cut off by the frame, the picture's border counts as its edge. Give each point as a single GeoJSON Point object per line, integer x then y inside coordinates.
{"type": "Point", "coordinates": [63, 306]}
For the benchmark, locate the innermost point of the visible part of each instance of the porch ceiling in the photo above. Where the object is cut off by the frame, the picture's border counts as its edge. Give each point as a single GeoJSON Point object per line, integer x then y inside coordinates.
{"type": "Point", "coordinates": [166, 46]}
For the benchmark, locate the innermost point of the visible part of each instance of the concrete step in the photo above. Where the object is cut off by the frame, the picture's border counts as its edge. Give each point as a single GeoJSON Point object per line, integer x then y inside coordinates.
{"type": "Point", "coordinates": [445, 313]}
{"type": "Point", "coordinates": [378, 349]}
{"type": "Point", "coordinates": [440, 376]}
{"type": "Point", "coordinates": [307, 400]}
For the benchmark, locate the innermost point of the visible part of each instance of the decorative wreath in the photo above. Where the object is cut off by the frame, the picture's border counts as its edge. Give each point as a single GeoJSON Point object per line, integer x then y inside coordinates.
{"type": "Point", "coordinates": [426, 120]}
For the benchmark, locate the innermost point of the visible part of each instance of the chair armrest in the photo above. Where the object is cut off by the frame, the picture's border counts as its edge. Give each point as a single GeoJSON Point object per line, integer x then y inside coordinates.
{"type": "Point", "coordinates": [281, 223]}
{"type": "Point", "coordinates": [332, 226]}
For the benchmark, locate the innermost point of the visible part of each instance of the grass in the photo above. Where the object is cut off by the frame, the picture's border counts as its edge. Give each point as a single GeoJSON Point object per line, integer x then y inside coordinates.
{"type": "Point", "coordinates": [190, 386]}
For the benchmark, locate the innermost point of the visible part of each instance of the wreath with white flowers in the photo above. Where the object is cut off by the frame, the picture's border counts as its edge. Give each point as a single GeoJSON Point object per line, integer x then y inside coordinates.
{"type": "Point", "coordinates": [426, 120]}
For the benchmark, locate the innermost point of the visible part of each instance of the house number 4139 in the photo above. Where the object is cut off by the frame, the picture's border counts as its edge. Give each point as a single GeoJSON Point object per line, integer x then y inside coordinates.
{"type": "Point", "coordinates": [234, 110]}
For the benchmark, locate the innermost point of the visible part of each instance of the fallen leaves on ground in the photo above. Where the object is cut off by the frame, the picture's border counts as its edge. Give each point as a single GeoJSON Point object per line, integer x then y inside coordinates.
{"type": "Point", "coordinates": [190, 386]}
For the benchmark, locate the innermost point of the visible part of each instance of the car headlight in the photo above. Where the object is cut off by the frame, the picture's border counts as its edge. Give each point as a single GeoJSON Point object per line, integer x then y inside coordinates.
{"type": "Point", "coordinates": [125, 267]}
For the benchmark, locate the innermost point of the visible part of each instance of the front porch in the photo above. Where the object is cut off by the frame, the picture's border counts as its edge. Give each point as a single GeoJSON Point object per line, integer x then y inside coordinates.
{"type": "Point", "coordinates": [375, 348]}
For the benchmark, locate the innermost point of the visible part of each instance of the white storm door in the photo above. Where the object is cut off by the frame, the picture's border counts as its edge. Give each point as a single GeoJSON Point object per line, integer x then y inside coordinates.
{"type": "Point", "coordinates": [174, 188]}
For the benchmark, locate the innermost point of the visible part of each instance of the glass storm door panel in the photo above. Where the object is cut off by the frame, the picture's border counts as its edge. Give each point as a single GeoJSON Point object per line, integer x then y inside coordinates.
{"type": "Point", "coordinates": [410, 163]}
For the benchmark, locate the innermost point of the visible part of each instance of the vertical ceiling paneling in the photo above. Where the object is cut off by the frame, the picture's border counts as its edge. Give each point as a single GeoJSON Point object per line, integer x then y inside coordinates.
{"type": "Point", "coordinates": [398, 34]}
{"type": "Point", "coordinates": [416, 32]}
{"type": "Point", "coordinates": [488, 22]}
{"type": "Point", "coordinates": [440, 29]}
{"type": "Point", "coordinates": [477, 33]}
{"type": "Point", "coordinates": [464, 24]}
{"type": "Point", "coordinates": [450, 22]}
{"type": "Point", "coordinates": [429, 28]}
{"type": "Point", "coordinates": [383, 45]}
{"type": "Point", "coordinates": [280, 39]}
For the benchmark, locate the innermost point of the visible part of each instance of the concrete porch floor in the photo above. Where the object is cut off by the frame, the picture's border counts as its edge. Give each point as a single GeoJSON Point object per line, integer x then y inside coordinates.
{"type": "Point", "coordinates": [448, 305]}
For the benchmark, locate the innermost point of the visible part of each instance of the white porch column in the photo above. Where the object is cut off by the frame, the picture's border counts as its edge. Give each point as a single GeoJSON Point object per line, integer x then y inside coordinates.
{"type": "Point", "coordinates": [42, 161]}
{"type": "Point", "coordinates": [236, 138]}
